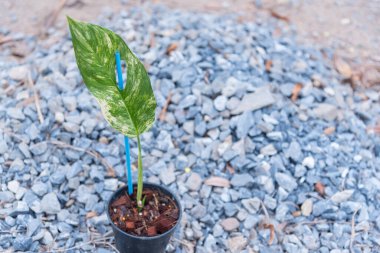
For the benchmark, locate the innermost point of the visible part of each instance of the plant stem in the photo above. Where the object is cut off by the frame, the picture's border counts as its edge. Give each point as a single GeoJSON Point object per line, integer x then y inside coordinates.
{"type": "Point", "coordinates": [140, 176]}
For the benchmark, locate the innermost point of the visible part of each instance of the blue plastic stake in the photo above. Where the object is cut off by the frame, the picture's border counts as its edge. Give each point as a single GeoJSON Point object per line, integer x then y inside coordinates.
{"type": "Point", "coordinates": [126, 141]}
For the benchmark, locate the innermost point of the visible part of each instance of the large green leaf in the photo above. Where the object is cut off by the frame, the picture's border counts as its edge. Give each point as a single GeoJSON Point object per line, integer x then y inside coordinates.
{"type": "Point", "coordinates": [130, 111]}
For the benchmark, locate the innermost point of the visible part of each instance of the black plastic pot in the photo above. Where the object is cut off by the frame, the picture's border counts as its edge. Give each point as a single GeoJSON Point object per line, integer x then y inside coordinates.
{"type": "Point", "coordinates": [127, 243]}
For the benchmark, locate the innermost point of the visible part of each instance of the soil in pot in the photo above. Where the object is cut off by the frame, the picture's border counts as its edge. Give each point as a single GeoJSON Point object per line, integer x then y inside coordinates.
{"type": "Point", "coordinates": [159, 214]}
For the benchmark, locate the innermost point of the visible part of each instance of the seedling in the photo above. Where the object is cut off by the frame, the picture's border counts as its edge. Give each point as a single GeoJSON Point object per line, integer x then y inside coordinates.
{"type": "Point", "coordinates": [131, 110]}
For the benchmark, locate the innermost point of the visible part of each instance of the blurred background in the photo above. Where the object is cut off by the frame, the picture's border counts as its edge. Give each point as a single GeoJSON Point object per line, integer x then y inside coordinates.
{"type": "Point", "coordinates": [348, 26]}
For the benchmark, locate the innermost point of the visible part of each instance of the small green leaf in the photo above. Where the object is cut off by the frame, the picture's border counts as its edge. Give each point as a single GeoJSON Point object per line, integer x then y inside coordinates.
{"type": "Point", "coordinates": [130, 111]}
{"type": "Point", "coordinates": [143, 201]}
{"type": "Point", "coordinates": [140, 207]}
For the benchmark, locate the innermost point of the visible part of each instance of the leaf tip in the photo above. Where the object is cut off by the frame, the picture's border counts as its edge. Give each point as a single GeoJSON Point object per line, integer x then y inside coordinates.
{"type": "Point", "coordinates": [71, 21]}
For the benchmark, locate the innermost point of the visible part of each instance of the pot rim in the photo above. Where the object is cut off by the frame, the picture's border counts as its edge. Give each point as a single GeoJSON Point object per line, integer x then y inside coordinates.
{"type": "Point", "coordinates": [146, 237]}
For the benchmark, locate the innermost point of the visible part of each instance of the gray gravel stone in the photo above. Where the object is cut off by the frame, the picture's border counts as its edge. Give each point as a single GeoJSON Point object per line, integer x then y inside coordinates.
{"type": "Point", "coordinates": [73, 170]}
{"type": "Point", "coordinates": [270, 202]}
{"type": "Point", "coordinates": [268, 150]}
{"type": "Point", "coordinates": [24, 149]}
{"type": "Point", "coordinates": [237, 243]}
{"type": "Point", "coordinates": [220, 103]}
{"type": "Point", "coordinates": [22, 243]}
{"type": "Point", "coordinates": [232, 103]}
{"type": "Point", "coordinates": [33, 226]}
{"type": "Point", "coordinates": [311, 241]}
{"type": "Point", "coordinates": [307, 207]}
{"type": "Point", "coordinates": [50, 204]}
{"type": "Point", "coordinates": [232, 85]}
{"type": "Point", "coordinates": [71, 127]}
{"type": "Point", "coordinates": [286, 181]}
{"type": "Point", "coordinates": [300, 171]}
{"type": "Point", "coordinates": [64, 227]}
{"type": "Point", "coordinates": [262, 97]}
{"type": "Point", "coordinates": [194, 182]}
{"type": "Point", "coordinates": [350, 206]}
{"type": "Point", "coordinates": [167, 176]}
{"type": "Point", "coordinates": [17, 165]}
{"type": "Point", "coordinates": [47, 238]}
{"type": "Point", "coordinates": [218, 230]}
{"type": "Point", "coordinates": [10, 221]}
{"type": "Point", "coordinates": [229, 224]}
{"type": "Point", "coordinates": [40, 189]}
{"type": "Point", "coordinates": [189, 127]}
{"type": "Point", "coordinates": [276, 136]}
{"type": "Point", "coordinates": [3, 147]}
{"type": "Point", "coordinates": [321, 207]}
{"type": "Point", "coordinates": [326, 111]}
{"type": "Point", "coordinates": [20, 206]}
{"type": "Point", "coordinates": [110, 184]}
{"type": "Point", "coordinates": [241, 180]}
{"type": "Point", "coordinates": [29, 197]}
{"type": "Point", "coordinates": [89, 125]}
{"type": "Point", "coordinates": [13, 186]}
{"type": "Point", "coordinates": [181, 162]}
{"type": "Point", "coordinates": [73, 183]}
{"type": "Point", "coordinates": [244, 123]}
{"type": "Point", "coordinates": [15, 113]}
{"type": "Point", "coordinates": [294, 152]}
{"type": "Point", "coordinates": [188, 101]}
{"type": "Point", "coordinates": [58, 177]}
{"type": "Point", "coordinates": [251, 221]}
{"type": "Point", "coordinates": [33, 132]}
{"type": "Point", "coordinates": [342, 196]}
{"type": "Point", "coordinates": [200, 128]}
{"type": "Point", "coordinates": [230, 209]}
{"type": "Point", "coordinates": [18, 73]}
{"type": "Point", "coordinates": [69, 102]}
{"type": "Point", "coordinates": [252, 205]}
{"type": "Point", "coordinates": [198, 212]}
{"type": "Point", "coordinates": [309, 162]}
{"type": "Point", "coordinates": [63, 215]}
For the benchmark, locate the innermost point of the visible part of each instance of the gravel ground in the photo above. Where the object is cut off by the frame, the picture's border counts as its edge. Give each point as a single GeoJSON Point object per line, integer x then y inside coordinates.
{"type": "Point", "coordinates": [258, 166]}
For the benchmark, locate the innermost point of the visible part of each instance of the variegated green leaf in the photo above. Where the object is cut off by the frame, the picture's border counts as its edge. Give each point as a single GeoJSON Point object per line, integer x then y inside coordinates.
{"type": "Point", "coordinates": [130, 111]}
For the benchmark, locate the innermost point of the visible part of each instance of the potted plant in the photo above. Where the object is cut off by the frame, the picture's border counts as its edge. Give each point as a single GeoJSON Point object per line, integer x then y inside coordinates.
{"type": "Point", "coordinates": [144, 220]}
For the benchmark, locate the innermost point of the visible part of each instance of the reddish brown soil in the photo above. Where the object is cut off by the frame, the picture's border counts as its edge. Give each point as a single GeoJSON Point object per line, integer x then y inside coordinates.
{"type": "Point", "coordinates": [159, 214]}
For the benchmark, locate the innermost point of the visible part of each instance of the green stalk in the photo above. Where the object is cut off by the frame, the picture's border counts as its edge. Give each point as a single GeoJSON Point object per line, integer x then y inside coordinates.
{"type": "Point", "coordinates": [140, 176]}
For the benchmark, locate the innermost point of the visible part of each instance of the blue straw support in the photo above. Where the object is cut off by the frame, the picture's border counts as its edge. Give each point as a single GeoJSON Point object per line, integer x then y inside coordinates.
{"type": "Point", "coordinates": [119, 71]}
{"type": "Point", "coordinates": [126, 141]}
